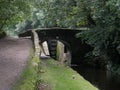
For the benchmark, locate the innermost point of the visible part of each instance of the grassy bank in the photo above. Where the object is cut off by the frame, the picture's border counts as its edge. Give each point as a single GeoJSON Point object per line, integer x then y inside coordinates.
{"type": "Point", "coordinates": [58, 77]}
{"type": "Point", "coordinates": [29, 76]}
{"type": "Point", "coordinates": [51, 76]}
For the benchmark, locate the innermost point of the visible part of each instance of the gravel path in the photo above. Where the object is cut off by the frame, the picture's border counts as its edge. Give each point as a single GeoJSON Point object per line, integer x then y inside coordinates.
{"type": "Point", "coordinates": [14, 54]}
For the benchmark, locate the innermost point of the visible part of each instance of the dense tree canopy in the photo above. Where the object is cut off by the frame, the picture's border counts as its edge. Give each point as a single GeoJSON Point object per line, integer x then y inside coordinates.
{"type": "Point", "coordinates": [105, 35]}
{"type": "Point", "coordinates": [59, 13]}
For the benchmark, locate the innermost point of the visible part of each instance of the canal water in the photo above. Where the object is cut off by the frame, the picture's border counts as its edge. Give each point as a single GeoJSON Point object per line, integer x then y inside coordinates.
{"type": "Point", "coordinates": [104, 80]}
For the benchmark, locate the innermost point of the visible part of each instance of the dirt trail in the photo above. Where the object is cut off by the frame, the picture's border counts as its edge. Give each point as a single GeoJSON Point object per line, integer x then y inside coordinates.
{"type": "Point", "coordinates": [14, 54]}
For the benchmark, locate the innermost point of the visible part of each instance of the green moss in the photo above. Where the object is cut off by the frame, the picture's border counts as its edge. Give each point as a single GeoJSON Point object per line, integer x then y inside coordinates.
{"type": "Point", "coordinates": [55, 76]}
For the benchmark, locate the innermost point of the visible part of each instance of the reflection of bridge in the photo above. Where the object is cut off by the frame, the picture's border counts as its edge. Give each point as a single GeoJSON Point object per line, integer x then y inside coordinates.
{"type": "Point", "coordinates": [77, 47]}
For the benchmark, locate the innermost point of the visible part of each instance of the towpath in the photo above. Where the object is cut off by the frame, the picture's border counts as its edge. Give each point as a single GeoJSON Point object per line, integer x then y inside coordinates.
{"type": "Point", "coordinates": [14, 53]}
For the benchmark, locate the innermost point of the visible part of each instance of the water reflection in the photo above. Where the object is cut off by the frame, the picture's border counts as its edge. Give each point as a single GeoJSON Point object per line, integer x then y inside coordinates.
{"type": "Point", "coordinates": [104, 80]}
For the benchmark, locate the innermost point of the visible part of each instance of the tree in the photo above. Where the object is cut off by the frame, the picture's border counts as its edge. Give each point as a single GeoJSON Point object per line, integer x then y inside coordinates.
{"type": "Point", "coordinates": [13, 11]}
{"type": "Point", "coordinates": [105, 35]}
{"type": "Point", "coordinates": [59, 13]}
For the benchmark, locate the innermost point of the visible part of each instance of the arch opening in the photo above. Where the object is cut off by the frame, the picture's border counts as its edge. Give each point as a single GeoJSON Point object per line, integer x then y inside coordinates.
{"type": "Point", "coordinates": [56, 49]}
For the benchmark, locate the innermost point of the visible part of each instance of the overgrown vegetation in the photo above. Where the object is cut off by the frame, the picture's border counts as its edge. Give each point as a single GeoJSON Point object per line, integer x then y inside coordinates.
{"type": "Point", "coordinates": [104, 36]}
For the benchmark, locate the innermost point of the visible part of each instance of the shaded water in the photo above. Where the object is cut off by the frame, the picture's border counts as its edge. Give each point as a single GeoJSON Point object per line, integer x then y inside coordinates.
{"type": "Point", "coordinates": [104, 80]}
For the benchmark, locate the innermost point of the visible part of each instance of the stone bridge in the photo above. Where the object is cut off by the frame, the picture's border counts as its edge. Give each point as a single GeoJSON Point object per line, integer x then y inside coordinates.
{"type": "Point", "coordinates": [76, 46]}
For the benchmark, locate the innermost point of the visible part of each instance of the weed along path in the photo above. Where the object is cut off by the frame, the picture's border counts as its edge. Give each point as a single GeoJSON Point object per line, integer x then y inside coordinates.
{"type": "Point", "coordinates": [14, 53]}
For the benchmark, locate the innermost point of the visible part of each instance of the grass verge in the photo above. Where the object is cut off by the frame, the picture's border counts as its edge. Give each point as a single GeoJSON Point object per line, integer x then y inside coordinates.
{"type": "Point", "coordinates": [29, 76]}
{"type": "Point", "coordinates": [55, 76]}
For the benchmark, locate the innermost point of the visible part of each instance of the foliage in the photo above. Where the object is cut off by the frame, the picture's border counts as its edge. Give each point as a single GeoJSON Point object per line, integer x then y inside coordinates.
{"type": "Point", "coordinates": [54, 13]}
{"type": "Point", "coordinates": [13, 11]}
{"type": "Point", "coordinates": [105, 35]}
{"type": "Point", "coordinates": [2, 34]}
{"type": "Point", "coordinates": [57, 13]}
{"type": "Point", "coordinates": [64, 13]}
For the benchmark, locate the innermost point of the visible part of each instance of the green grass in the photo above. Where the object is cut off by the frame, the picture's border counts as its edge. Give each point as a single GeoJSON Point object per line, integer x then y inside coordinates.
{"type": "Point", "coordinates": [59, 77]}
{"type": "Point", "coordinates": [52, 75]}
{"type": "Point", "coordinates": [29, 76]}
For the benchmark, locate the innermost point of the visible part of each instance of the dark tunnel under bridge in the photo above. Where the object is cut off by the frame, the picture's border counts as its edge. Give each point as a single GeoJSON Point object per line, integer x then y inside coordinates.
{"type": "Point", "coordinates": [76, 46]}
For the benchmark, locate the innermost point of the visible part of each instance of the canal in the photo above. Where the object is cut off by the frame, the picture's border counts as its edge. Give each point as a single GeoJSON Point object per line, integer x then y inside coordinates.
{"type": "Point", "coordinates": [104, 80]}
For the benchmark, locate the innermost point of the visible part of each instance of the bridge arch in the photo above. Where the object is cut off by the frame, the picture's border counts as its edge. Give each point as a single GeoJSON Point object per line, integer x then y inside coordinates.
{"type": "Point", "coordinates": [77, 46]}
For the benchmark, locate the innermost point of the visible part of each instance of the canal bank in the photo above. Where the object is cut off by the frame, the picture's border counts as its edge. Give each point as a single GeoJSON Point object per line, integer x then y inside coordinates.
{"type": "Point", "coordinates": [56, 76]}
